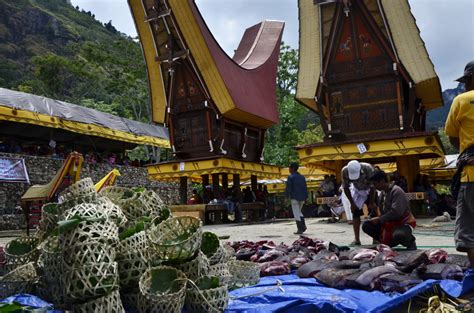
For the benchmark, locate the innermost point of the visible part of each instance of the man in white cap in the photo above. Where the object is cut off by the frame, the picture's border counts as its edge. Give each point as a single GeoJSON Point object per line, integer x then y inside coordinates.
{"type": "Point", "coordinates": [357, 191]}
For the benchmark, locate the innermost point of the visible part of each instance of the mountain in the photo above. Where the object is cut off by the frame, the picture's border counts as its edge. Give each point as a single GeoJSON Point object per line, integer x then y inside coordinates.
{"type": "Point", "coordinates": [436, 118]}
{"type": "Point", "coordinates": [51, 48]}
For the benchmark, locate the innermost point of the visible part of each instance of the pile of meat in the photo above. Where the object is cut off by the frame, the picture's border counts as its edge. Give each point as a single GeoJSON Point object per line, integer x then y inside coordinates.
{"type": "Point", "coordinates": [376, 268]}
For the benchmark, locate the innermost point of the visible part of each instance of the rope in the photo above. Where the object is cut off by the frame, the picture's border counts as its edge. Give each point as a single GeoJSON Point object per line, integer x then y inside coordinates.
{"type": "Point", "coordinates": [200, 293]}
{"type": "Point", "coordinates": [435, 305]}
{"type": "Point", "coordinates": [278, 286]}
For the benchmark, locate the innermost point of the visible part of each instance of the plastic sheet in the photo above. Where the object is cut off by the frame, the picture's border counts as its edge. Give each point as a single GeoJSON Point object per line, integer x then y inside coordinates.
{"type": "Point", "coordinates": [30, 301]}
{"type": "Point", "coordinates": [308, 295]}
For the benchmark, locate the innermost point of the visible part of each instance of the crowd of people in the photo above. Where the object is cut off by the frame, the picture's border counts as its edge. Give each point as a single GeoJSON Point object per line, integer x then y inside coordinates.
{"type": "Point", "coordinates": [54, 151]}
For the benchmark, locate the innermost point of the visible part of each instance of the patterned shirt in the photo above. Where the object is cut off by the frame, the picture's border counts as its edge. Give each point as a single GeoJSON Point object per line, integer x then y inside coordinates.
{"type": "Point", "coordinates": [363, 182]}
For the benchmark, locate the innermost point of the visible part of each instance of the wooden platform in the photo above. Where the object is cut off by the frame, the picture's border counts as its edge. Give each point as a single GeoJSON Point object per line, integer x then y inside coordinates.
{"type": "Point", "coordinates": [217, 213]}
{"type": "Point", "coordinates": [412, 196]}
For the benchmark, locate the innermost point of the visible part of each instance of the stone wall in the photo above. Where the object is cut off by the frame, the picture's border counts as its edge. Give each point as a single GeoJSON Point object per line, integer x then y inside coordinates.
{"type": "Point", "coordinates": [42, 169]}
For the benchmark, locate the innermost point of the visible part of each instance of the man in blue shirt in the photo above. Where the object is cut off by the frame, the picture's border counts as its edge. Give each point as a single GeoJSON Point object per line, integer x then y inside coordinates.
{"type": "Point", "coordinates": [297, 192]}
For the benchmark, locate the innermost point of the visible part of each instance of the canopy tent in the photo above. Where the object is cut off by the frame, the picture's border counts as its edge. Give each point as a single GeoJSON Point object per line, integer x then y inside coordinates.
{"type": "Point", "coordinates": [30, 116]}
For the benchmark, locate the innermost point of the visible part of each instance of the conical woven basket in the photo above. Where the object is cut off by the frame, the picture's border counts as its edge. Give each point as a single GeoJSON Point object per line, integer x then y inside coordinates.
{"type": "Point", "coordinates": [168, 302]}
{"type": "Point", "coordinates": [49, 219]}
{"type": "Point", "coordinates": [15, 260]}
{"type": "Point", "coordinates": [132, 265]}
{"type": "Point", "coordinates": [136, 242]}
{"type": "Point", "coordinates": [206, 301]}
{"type": "Point", "coordinates": [244, 273]}
{"type": "Point", "coordinates": [89, 252]}
{"type": "Point", "coordinates": [86, 231]}
{"type": "Point", "coordinates": [195, 268]}
{"type": "Point", "coordinates": [176, 239]}
{"type": "Point", "coordinates": [20, 280]}
{"type": "Point", "coordinates": [130, 300]}
{"type": "Point", "coordinates": [220, 270]}
{"type": "Point", "coordinates": [70, 203]}
{"type": "Point", "coordinates": [82, 188]}
{"type": "Point", "coordinates": [134, 205]}
{"type": "Point", "coordinates": [110, 303]}
{"type": "Point", "coordinates": [100, 207]}
{"type": "Point", "coordinates": [90, 281]}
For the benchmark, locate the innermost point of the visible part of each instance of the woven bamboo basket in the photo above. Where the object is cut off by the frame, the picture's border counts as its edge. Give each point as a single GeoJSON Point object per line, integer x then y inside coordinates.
{"type": "Point", "coordinates": [168, 302]}
{"type": "Point", "coordinates": [15, 260]}
{"type": "Point", "coordinates": [244, 273]}
{"type": "Point", "coordinates": [100, 207]}
{"type": "Point", "coordinates": [219, 256]}
{"type": "Point", "coordinates": [132, 265]}
{"type": "Point", "coordinates": [105, 230]}
{"type": "Point", "coordinates": [206, 301]}
{"type": "Point", "coordinates": [137, 242]}
{"type": "Point", "coordinates": [176, 239]}
{"type": "Point", "coordinates": [130, 300]}
{"type": "Point", "coordinates": [110, 303]}
{"type": "Point", "coordinates": [221, 270]}
{"type": "Point", "coordinates": [135, 205]}
{"type": "Point", "coordinates": [90, 281]}
{"type": "Point", "coordinates": [89, 252]}
{"type": "Point", "coordinates": [19, 280]}
{"type": "Point", "coordinates": [195, 268]}
{"type": "Point", "coordinates": [49, 219]}
{"type": "Point", "coordinates": [82, 188]}
{"type": "Point", "coordinates": [70, 203]}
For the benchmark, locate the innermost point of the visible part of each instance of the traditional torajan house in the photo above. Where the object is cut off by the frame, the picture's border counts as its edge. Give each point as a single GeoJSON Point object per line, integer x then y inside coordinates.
{"type": "Point", "coordinates": [365, 70]}
{"type": "Point", "coordinates": [216, 108]}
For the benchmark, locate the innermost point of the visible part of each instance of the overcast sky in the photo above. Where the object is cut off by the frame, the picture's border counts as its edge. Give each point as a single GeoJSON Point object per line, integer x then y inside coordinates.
{"type": "Point", "coordinates": [447, 26]}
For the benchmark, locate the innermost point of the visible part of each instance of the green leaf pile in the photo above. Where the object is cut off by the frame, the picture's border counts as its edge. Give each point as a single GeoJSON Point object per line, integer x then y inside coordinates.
{"type": "Point", "coordinates": [51, 208]}
{"type": "Point", "coordinates": [19, 248]}
{"type": "Point", "coordinates": [205, 283]}
{"type": "Point", "coordinates": [138, 227]}
{"type": "Point", "coordinates": [72, 223]}
{"type": "Point", "coordinates": [164, 281]}
{"type": "Point", "coordinates": [210, 243]}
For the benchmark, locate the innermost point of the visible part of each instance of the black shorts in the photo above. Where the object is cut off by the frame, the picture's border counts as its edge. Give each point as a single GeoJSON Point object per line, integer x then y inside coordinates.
{"type": "Point", "coordinates": [357, 213]}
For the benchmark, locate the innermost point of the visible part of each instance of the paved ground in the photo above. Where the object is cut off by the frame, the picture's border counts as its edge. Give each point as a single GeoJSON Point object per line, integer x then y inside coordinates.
{"type": "Point", "coordinates": [338, 233]}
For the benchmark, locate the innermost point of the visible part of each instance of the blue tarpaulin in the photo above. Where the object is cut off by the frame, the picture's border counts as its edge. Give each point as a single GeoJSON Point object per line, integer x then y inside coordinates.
{"type": "Point", "coordinates": [308, 295]}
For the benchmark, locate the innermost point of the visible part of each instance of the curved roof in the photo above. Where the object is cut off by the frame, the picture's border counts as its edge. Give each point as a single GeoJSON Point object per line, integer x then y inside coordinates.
{"type": "Point", "coordinates": [243, 88]}
{"type": "Point", "coordinates": [396, 22]}
{"type": "Point", "coordinates": [26, 108]}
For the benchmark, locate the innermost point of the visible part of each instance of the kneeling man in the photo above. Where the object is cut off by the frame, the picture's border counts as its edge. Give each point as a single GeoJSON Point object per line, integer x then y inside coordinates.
{"type": "Point", "coordinates": [395, 224]}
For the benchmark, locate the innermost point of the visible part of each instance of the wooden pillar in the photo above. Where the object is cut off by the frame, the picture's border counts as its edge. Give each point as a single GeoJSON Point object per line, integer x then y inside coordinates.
{"type": "Point", "coordinates": [205, 180]}
{"type": "Point", "coordinates": [225, 181]}
{"type": "Point", "coordinates": [236, 179]}
{"type": "Point", "coordinates": [408, 166]}
{"type": "Point", "coordinates": [215, 183]}
{"type": "Point", "coordinates": [338, 165]}
{"type": "Point", "coordinates": [183, 190]}
{"type": "Point", "coordinates": [253, 182]}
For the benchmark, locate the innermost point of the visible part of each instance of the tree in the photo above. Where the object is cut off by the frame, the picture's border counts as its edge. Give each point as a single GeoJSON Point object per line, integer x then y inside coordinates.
{"type": "Point", "coordinates": [450, 149]}
{"type": "Point", "coordinates": [294, 126]}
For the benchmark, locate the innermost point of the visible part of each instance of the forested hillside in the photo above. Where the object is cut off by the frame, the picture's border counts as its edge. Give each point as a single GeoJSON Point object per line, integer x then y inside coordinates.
{"type": "Point", "coordinates": [50, 48]}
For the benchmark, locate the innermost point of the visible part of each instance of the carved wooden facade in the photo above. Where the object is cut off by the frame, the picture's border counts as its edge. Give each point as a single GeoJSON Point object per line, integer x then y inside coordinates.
{"type": "Point", "coordinates": [364, 91]}
{"type": "Point", "coordinates": [197, 129]}
{"type": "Point", "coordinates": [203, 120]}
